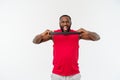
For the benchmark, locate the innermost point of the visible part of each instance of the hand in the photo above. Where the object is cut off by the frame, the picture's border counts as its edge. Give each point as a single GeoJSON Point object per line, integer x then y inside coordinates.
{"type": "Point", "coordinates": [88, 35]}
{"type": "Point", "coordinates": [46, 33]}
{"type": "Point", "coordinates": [83, 31]}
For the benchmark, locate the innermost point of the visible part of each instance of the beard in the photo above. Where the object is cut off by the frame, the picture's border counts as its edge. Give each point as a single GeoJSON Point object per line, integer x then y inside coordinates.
{"type": "Point", "coordinates": [62, 29]}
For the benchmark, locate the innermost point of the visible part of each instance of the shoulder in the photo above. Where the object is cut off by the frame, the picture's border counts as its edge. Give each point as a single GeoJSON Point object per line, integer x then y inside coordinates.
{"type": "Point", "coordinates": [57, 30]}
{"type": "Point", "coordinates": [72, 30]}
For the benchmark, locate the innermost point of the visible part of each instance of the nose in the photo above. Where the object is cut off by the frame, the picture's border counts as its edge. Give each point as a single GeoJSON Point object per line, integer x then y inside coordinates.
{"type": "Point", "coordinates": [65, 23]}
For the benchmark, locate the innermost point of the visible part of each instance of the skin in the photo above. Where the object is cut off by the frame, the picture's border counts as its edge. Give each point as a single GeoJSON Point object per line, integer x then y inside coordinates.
{"type": "Point", "coordinates": [65, 25]}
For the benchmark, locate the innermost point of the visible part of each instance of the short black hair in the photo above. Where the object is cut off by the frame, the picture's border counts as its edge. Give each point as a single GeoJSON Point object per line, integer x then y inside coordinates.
{"type": "Point", "coordinates": [65, 16]}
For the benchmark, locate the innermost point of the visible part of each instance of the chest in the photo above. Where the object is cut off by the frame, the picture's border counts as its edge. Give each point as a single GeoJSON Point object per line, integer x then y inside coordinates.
{"type": "Point", "coordinates": [66, 39]}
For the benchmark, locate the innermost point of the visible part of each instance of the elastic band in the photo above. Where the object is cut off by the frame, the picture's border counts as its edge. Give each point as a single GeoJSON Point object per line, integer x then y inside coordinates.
{"type": "Point", "coordinates": [64, 33]}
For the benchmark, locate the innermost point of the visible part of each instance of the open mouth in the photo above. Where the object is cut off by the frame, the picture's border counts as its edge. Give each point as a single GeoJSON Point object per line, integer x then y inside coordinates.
{"type": "Point", "coordinates": [65, 28]}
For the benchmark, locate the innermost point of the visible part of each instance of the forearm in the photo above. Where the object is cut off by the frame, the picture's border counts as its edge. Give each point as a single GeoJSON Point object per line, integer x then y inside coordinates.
{"type": "Point", "coordinates": [38, 39]}
{"type": "Point", "coordinates": [93, 36]}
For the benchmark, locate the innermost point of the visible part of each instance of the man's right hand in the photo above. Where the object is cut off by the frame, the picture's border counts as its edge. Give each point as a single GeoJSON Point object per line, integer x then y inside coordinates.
{"type": "Point", "coordinates": [46, 33]}
{"type": "Point", "coordinates": [45, 36]}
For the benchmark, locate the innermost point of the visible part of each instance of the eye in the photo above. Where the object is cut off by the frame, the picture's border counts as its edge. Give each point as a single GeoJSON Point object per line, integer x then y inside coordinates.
{"type": "Point", "coordinates": [67, 22]}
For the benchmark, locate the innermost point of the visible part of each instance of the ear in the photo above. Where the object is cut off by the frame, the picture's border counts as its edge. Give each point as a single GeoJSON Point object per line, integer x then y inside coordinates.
{"type": "Point", "coordinates": [70, 23]}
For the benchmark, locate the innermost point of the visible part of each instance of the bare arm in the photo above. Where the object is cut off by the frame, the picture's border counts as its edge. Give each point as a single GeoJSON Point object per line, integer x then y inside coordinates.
{"type": "Point", "coordinates": [45, 36]}
{"type": "Point", "coordinates": [88, 35]}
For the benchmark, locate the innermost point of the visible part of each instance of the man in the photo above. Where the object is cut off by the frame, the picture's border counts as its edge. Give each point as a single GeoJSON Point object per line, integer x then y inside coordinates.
{"type": "Point", "coordinates": [65, 49]}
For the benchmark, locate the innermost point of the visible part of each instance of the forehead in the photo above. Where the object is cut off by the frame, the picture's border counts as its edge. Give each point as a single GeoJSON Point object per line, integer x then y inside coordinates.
{"type": "Point", "coordinates": [64, 18]}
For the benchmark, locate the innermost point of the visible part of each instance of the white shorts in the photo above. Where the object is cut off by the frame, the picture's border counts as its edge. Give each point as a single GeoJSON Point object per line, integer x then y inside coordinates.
{"type": "Point", "coordinates": [59, 77]}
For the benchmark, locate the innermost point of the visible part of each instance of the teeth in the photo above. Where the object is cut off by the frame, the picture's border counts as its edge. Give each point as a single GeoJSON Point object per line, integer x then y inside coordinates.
{"type": "Point", "coordinates": [65, 28]}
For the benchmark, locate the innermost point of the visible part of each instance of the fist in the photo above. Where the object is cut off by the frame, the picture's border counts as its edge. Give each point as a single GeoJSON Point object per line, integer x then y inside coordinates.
{"type": "Point", "coordinates": [46, 33]}
{"type": "Point", "coordinates": [83, 31]}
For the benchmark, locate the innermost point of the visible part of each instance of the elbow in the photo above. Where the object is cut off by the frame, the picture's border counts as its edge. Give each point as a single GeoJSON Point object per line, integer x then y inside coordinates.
{"type": "Point", "coordinates": [36, 42]}
{"type": "Point", "coordinates": [37, 39]}
{"type": "Point", "coordinates": [96, 38]}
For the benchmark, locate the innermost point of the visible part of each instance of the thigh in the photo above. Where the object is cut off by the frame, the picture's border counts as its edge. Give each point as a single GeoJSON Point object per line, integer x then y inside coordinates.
{"type": "Point", "coordinates": [56, 77]}
{"type": "Point", "coordinates": [76, 77]}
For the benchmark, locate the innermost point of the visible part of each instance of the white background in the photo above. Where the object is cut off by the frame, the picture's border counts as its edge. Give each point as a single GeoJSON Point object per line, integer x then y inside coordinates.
{"type": "Point", "coordinates": [21, 20]}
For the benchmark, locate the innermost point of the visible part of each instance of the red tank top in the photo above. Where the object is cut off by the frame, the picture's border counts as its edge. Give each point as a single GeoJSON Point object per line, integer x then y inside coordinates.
{"type": "Point", "coordinates": [65, 54]}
